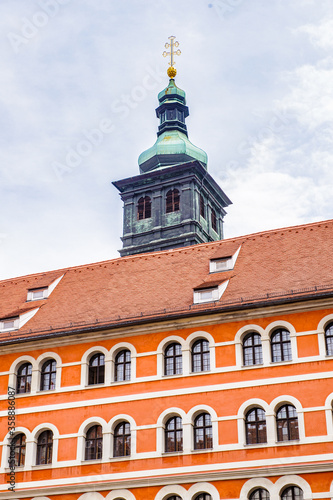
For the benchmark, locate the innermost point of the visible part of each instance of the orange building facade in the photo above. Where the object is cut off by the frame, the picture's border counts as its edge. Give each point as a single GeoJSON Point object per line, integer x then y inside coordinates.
{"type": "Point", "coordinates": [200, 373]}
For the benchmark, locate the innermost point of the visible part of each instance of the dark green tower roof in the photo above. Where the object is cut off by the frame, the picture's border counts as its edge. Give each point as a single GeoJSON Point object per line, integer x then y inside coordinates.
{"type": "Point", "coordinates": [172, 145]}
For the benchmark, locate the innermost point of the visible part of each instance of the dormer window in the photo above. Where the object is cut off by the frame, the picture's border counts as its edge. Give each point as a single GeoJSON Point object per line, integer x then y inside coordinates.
{"type": "Point", "coordinates": [209, 293]}
{"type": "Point", "coordinates": [225, 263]}
{"type": "Point", "coordinates": [9, 324]}
{"type": "Point", "coordinates": [38, 293]}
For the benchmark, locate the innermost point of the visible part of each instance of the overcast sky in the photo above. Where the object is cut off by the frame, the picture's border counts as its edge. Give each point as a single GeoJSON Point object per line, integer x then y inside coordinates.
{"type": "Point", "coordinates": [79, 85]}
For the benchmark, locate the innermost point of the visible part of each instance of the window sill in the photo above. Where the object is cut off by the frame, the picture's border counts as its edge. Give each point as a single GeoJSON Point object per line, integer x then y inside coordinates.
{"type": "Point", "coordinates": [172, 453]}
{"type": "Point", "coordinates": [42, 466]}
{"type": "Point", "coordinates": [204, 450]}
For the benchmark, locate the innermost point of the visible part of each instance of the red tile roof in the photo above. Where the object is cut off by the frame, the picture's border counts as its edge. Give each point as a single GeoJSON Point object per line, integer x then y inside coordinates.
{"type": "Point", "coordinates": [288, 262]}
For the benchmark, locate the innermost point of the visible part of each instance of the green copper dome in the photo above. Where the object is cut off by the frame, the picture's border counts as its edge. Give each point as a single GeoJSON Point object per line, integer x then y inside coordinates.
{"type": "Point", "coordinates": [172, 145]}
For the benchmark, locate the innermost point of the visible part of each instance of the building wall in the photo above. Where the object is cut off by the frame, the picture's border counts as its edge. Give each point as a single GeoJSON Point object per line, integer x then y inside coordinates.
{"type": "Point", "coordinates": [232, 468]}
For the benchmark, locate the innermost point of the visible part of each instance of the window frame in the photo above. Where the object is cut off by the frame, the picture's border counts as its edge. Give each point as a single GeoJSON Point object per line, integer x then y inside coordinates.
{"type": "Point", "coordinates": [285, 347]}
{"type": "Point", "coordinates": [144, 208]}
{"type": "Point", "coordinates": [329, 335]}
{"type": "Point", "coordinates": [123, 369]}
{"type": "Point", "coordinates": [47, 446]}
{"type": "Point", "coordinates": [16, 324]}
{"type": "Point", "coordinates": [203, 355]}
{"type": "Point", "coordinates": [20, 447]}
{"type": "Point", "coordinates": [257, 359]}
{"type": "Point", "coordinates": [261, 496]}
{"type": "Point", "coordinates": [207, 432]}
{"type": "Point", "coordinates": [51, 385]}
{"type": "Point", "coordinates": [175, 433]}
{"type": "Point", "coordinates": [172, 201]}
{"type": "Point", "coordinates": [256, 424]}
{"type": "Point", "coordinates": [27, 378]}
{"type": "Point", "coordinates": [97, 442]}
{"type": "Point", "coordinates": [286, 422]}
{"type": "Point", "coordinates": [96, 373]}
{"type": "Point", "coordinates": [284, 494]}
{"type": "Point", "coordinates": [173, 359]}
{"type": "Point", "coordinates": [122, 440]}
{"type": "Point", "coordinates": [213, 220]}
{"type": "Point", "coordinates": [202, 207]}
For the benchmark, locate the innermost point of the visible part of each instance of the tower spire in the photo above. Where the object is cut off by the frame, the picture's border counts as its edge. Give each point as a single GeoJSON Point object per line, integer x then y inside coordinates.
{"type": "Point", "coordinates": [171, 71]}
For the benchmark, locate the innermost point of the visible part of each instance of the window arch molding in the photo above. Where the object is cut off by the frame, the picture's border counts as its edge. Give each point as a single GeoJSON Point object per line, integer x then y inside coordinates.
{"type": "Point", "coordinates": [113, 424]}
{"type": "Point", "coordinates": [40, 498]}
{"type": "Point", "coordinates": [284, 325]}
{"type": "Point", "coordinates": [85, 364]}
{"type": "Point", "coordinates": [198, 488]}
{"type": "Point", "coordinates": [91, 496]}
{"type": "Point", "coordinates": [191, 339]}
{"type": "Point", "coordinates": [293, 480]}
{"type": "Point", "coordinates": [81, 437]}
{"type": "Point", "coordinates": [115, 494]}
{"type": "Point", "coordinates": [172, 490]}
{"type": "Point", "coordinates": [160, 426]}
{"type": "Point", "coordinates": [239, 338]}
{"type": "Point", "coordinates": [28, 446]}
{"type": "Point", "coordinates": [15, 366]}
{"type": "Point", "coordinates": [194, 413]}
{"type": "Point", "coordinates": [116, 350]}
{"type": "Point", "coordinates": [270, 420]}
{"type": "Point", "coordinates": [46, 356]}
{"type": "Point", "coordinates": [55, 439]}
{"type": "Point", "coordinates": [329, 415]}
{"type": "Point", "coordinates": [160, 353]}
{"type": "Point", "coordinates": [322, 325]}
{"type": "Point", "coordinates": [255, 483]}
{"type": "Point", "coordinates": [290, 400]}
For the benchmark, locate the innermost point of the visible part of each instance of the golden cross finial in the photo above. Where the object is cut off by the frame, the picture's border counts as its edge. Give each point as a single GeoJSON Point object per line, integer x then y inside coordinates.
{"type": "Point", "coordinates": [172, 46]}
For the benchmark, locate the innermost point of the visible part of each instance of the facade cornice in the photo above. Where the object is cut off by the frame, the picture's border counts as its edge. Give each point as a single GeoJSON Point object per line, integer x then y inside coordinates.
{"type": "Point", "coordinates": [150, 481]}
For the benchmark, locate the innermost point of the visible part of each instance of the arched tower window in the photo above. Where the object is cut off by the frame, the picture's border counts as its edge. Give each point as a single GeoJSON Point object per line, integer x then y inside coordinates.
{"type": "Point", "coordinates": [144, 208]}
{"type": "Point", "coordinates": [202, 206]}
{"type": "Point", "coordinates": [172, 201]}
{"type": "Point", "coordinates": [214, 220]}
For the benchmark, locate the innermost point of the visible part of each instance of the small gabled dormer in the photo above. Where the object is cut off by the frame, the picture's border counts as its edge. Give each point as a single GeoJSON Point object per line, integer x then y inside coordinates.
{"type": "Point", "coordinates": [223, 263]}
{"type": "Point", "coordinates": [43, 292]}
{"type": "Point", "coordinates": [9, 324]}
{"type": "Point", "coordinates": [209, 292]}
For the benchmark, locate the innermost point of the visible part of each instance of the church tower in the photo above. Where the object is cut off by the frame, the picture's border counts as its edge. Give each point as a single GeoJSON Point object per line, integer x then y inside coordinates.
{"type": "Point", "coordinates": [174, 202]}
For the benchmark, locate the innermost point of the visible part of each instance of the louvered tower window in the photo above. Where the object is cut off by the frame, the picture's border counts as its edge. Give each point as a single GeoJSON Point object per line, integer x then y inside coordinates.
{"type": "Point", "coordinates": [144, 208]}
{"type": "Point", "coordinates": [172, 201]}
